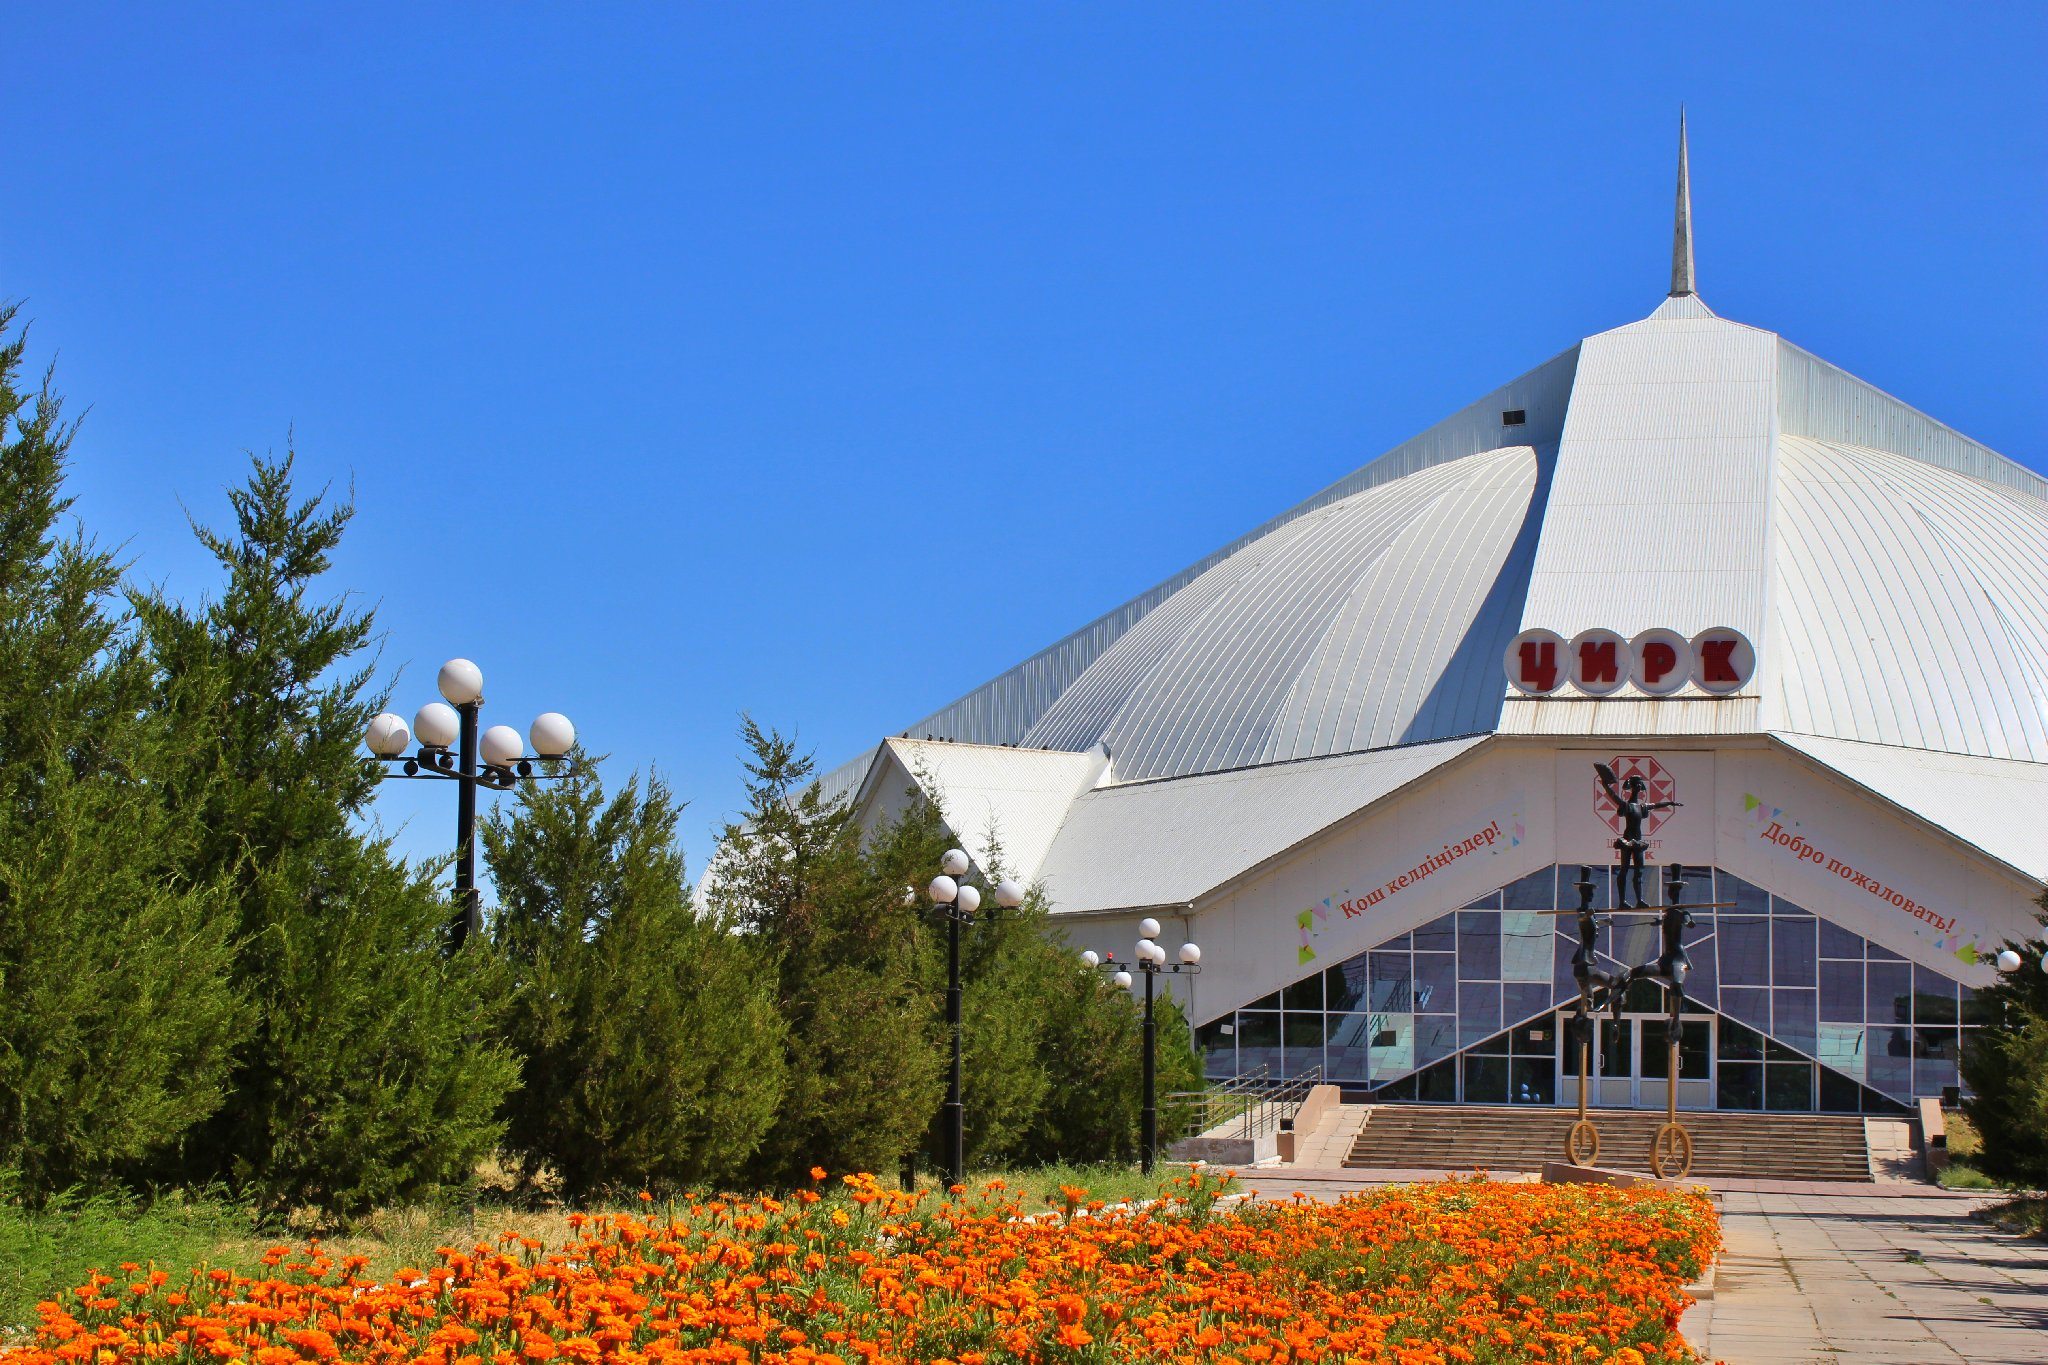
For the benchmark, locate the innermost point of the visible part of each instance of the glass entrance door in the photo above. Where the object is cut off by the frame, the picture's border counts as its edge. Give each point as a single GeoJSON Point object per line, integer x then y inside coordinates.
{"type": "Point", "coordinates": [1631, 1063]}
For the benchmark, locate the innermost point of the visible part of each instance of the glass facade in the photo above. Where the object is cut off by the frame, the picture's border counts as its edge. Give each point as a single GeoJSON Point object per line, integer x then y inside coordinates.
{"type": "Point", "coordinates": [1795, 1012]}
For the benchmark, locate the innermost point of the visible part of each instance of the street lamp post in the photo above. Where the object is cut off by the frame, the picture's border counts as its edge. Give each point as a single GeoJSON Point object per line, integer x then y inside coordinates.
{"type": "Point", "coordinates": [451, 749]}
{"type": "Point", "coordinates": [957, 901]}
{"type": "Point", "coordinates": [1151, 962]}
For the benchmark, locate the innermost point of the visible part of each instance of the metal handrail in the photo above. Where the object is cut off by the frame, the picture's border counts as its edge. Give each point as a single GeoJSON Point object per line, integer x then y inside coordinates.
{"type": "Point", "coordinates": [1252, 1103]}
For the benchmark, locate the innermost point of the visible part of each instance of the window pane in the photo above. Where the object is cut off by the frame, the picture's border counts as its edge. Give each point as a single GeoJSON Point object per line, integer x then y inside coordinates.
{"type": "Point", "coordinates": [1344, 986]}
{"type": "Point", "coordinates": [1436, 1037]}
{"type": "Point", "coordinates": [1792, 952]}
{"type": "Point", "coordinates": [1436, 982]}
{"type": "Point", "coordinates": [1537, 891]}
{"type": "Point", "coordinates": [1217, 1041]}
{"type": "Point", "coordinates": [1792, 1018]}
{"type": "Point", "coordinates": [1478, 1011]}
{"type": "Point", "coordinates": [1745, 950]}
{"type": "Point", "coordinates": [1347, 1051]}
{"type": "Point", "coordinates": [1739, 1085]}
{"type": "Point", "coordinates": [1478, 945]}
{"type": "Point", "coordinates": [1788, 1086]}
{"type": "Point", "coordinates": [1486, 1080]}
{"type": "Point", "coordinates": [1749, 899]}
{"type": "Point", "coordinates": [1489, 901]}
{"type": "Point", "coordinates": [1888, 1060]}
{"type": "Point", "coordinates": [1841, 1046]}
{"type": "Point", "coordinates": [1525, 948]}
{"type": "Point", "coordinates": [1304, 1034]}
{"type": "Point", "coordinates": [1437, 1084]}
{"type": "Point", "coordinates": [1257, 1029]}
{"type": "Point", "coordinates": [1841, 992]}
{"type": "Point", "coordinates": [1934, 997]}
{"type": "Point", "coordinates": [1739, 1044]}
{"type": "Point", "coordinates": [1888, 997]}
{"type": "Point", "coordinates": [1538, 1038]}
{"type": "Point", "coordinates": [1520, 1002]}
{"type": "Point", "coordinates": [1392, 984]}
{"type": "Point", "coordinates": [1702, 986]}
{"type": "Point", "coordinates": [1879, 954]}
{"type": "Point", "coordinates": [1438, 936]}
{"type": "Point", "coordinates": [1303, 995]}
{"type": "Point", "coordinates": [1934, 1059]}
{"type": "Point", "coordinates": [1835, 941]}
{"type": "Point", "coordinates": [1839, 1094]}
{"type": "Point", "coordinates": [1752, 1005]}
{"type": "Point", "coordinates": [1532, 1081]}
{"type": "Point", "coordinates": [1694, 1049]}
{"type": "Point", "coordinates": [1393, 1046]}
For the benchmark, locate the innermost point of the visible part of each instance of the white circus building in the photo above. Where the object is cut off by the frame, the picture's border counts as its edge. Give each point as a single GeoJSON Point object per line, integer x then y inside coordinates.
{"type": "Point", "coordinates": [1812, 615]}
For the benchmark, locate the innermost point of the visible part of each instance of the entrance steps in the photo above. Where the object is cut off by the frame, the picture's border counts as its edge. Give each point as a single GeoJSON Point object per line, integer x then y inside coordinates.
{"type": "Point", "coordinates": [1726, 1145]}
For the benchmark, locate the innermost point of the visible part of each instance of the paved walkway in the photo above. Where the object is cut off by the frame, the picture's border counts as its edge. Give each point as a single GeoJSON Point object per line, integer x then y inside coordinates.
{"type": "Point", "coordinates": [1871, 1279]}
{"type": "Point", "coordinates": [1880, 1274]}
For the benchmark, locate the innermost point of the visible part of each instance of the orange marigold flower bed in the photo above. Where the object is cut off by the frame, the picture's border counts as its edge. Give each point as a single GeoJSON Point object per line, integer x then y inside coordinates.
{"type": "Point", "coordinates": [1468, 1271]}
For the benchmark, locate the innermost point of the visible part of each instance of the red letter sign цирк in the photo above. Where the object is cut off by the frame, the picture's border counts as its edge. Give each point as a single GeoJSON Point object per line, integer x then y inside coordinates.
{"type": "Point", "coordinates": [1599, 663]}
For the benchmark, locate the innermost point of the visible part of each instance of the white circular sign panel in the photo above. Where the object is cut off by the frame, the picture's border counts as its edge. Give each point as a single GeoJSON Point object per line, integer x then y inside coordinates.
{"type": "Point", "coordinates": [1600, 662]}
{"type": "Point", "coordinates": [1660, 661]}
{"type": "Point", "coordinates": [1723, 660]}
{"type": "Point", "coordinates": [1536, 662]}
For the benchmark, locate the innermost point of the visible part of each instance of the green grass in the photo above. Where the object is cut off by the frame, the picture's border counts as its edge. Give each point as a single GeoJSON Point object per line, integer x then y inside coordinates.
{"type": "Point", "coordinates": [1039, 1187]}
{"type": "Point", "coordinates": [1963, 1142]}
{"type": "Point", "coordinates": [2027, 1215]}
{"type": "Point", "coordinates": [1956, 1176]}
{"type": "Point", "coordinates": [48, 1251]}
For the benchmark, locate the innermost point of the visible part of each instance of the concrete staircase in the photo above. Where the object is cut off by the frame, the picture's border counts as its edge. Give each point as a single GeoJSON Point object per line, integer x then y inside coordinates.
{"type": "Point", "coordinates": [1725, 1144]}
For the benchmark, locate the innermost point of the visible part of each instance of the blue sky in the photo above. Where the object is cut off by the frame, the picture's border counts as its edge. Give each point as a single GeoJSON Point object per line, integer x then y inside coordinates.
{"type": "Point", "coordinates": [822, 361]}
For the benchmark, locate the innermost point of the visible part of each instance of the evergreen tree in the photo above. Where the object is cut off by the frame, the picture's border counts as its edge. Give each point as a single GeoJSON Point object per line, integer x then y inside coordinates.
{"type": "Point", "coordinates": [651, 1051]}
{"type": "Point", "coordinates": [2005, 1067]}
{"type": "Point", "coordinates": [853, 973]}
{"type": "Point", "coordinates": [116, 1017]}
{"type": "Point", "coordinates": [370, 1075]}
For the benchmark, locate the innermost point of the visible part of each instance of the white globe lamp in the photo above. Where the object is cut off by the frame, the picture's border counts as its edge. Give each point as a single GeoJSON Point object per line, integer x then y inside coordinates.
{"type": "Point", "coordinates": [1091, 959]}
{"type": "Point", "coordinates": [967, 900]}
{"type": "Point", "coordinates": [1190, 953]}
{"type": "Point", "coordinates": [502, 746]}
{"type": "Point", "coordinates": [461, 681]}
{"type": "Point", "coordinates": [1123, 980]}
{"type": "Point", "coordinates": [954, 863]}
{"type": "Point", "coordinates": [387, 735]}
{"type": "Point", "coordinates": [436, 724]}
{"type": "Point", "coordinates": [2008, 960]}
{"type": "Point", "coordinates": [942, 890]}
{"type": "Point", "coordinates": [1009, 895]}
{"type": "Point", "coordinates": [551, 734]}
{"type": "Point", "coordinates": [1148, 928]}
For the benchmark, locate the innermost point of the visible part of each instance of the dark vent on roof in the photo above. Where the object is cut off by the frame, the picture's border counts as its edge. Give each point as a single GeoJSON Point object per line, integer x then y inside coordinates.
{"type": "Point", "coordinates": [1513, 417]}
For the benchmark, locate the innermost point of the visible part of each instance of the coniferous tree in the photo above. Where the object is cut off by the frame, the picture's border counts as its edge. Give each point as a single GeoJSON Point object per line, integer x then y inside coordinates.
{"type": "Point", "coordinates": [651, 1050]}
{"type": "Point", "coordinates": [853, 973]}
{"type": "Point", "coordinates": [370, 1075]}
{"type": "Point", "coordinates": [116, 1016]}
{"type": "Point", "coordinates": [2005, 1067]}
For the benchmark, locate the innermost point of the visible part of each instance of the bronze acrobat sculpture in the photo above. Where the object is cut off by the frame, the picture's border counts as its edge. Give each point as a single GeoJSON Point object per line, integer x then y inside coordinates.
{"type": "Point", "coordinates": [1633, 845]}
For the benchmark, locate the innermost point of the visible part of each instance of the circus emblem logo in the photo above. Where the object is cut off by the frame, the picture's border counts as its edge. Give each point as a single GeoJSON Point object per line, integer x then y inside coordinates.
{"type": "Point", "coordinates": [1659, 784]}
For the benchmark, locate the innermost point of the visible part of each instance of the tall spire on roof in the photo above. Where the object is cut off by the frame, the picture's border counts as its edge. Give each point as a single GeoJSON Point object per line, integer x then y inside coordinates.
{"type": "Point", "coordinates": [1682, 279]}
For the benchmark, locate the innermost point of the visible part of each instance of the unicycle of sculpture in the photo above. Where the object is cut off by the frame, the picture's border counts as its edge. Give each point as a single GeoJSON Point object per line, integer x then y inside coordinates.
{"type": "Point", "coordinates": [1671, 1148]}
{"type": "Point", "coordinates": [1596, 991]}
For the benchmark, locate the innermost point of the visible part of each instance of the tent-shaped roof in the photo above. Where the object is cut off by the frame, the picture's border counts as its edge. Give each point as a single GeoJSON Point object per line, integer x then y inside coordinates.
{"type": "Point", "coordinates": [1683, 471]}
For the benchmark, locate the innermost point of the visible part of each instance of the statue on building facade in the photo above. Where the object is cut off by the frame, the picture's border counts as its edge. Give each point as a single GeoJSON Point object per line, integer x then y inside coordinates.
{"type": "Point", "coordinates": [1633, 844]}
